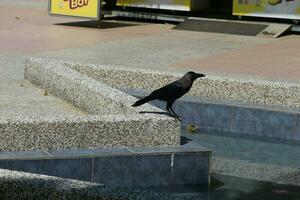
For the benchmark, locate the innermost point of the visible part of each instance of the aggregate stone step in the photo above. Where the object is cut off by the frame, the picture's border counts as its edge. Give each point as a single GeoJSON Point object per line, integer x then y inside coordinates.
{"type": "Point", "coordinates": [126, 167]}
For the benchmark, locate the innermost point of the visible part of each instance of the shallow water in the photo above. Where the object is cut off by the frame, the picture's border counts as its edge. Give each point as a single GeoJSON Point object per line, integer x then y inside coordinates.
{"type": "Point", "coordinates": [250, 149]}
{"type": "Point", "coordinates": [224, 187]}
{"type": "Point", "coordinates": [233, 188]}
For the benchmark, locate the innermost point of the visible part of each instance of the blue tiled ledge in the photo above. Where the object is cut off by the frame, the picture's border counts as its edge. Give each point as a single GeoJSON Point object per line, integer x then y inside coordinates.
{"type": "Point", "coordinates": [235, 118]}
{"type": "Point", "coordinates": [128, 167]}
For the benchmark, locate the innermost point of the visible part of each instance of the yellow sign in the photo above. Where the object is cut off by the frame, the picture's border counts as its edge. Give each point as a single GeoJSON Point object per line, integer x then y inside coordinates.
{"type": "Point", "coordinates": [77, 8]}
{"type": "Point", "coordinates": [285, 9]}
{"type": "Point", "coordinates": [184, 5]}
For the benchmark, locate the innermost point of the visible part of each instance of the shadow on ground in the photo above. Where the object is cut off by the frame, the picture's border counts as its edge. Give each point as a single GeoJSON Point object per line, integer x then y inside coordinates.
{"type": "Point", "coordinates": [95, 24]}
{"type": "Point", "coordinates": [154, 112]}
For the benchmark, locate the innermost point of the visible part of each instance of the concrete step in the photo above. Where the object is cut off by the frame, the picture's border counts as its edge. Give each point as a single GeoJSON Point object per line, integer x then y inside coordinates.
{"type": "Point", "coordinates": [125, 167]}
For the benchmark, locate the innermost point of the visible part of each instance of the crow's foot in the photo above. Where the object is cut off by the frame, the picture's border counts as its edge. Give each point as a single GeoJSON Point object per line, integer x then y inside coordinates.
{"type": "Point", "coordinates": [177, 117]}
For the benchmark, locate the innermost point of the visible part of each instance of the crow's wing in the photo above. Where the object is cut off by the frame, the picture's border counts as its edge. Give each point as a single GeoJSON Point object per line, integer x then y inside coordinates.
{"type": "Point", "coordinates": [171, 91]}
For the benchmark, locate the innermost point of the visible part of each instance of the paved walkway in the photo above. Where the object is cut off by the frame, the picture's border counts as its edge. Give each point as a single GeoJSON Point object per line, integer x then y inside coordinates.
{"type": "Point", "coordinates": [279, 59]}
{"type": "Point", "coordinates": [27, 30]}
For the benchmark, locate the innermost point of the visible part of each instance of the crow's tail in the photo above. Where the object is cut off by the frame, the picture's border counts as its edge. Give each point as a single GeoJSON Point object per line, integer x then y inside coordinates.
{"type": "Point", "coordinates": [142, 101]}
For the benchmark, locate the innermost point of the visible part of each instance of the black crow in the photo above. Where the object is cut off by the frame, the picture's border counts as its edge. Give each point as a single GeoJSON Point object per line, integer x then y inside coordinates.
{"type": "Point", "coordinates": [172, 91]}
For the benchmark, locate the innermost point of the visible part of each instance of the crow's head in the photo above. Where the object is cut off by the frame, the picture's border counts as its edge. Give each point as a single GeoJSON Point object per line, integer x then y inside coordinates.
{"type": "Point", "coordinates": [193, 76]}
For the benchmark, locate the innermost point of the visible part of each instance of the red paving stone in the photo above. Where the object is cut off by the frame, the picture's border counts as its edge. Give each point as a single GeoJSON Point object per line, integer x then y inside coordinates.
{"type": "Point", "coordinates": [279, 59]}
{"type": "Point", "coordinates": [31, 31]}
{"type": "Point", "coordinates": [18, 18]}
{"type": "Point", "coordinates": [39, 39]}
{"type": "Point", "coordinates": [34, 31]}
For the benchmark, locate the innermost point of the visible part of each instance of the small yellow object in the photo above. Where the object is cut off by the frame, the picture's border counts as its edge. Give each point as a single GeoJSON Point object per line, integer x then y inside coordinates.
{"type": "Point", "coordinates": [18, 17]}
{"type": "Point", "coordinates": [274, 2]}
{"type": "Point", "coordinates": [46, 93]}
{"type": "Point", "coordinates": [191, 128]}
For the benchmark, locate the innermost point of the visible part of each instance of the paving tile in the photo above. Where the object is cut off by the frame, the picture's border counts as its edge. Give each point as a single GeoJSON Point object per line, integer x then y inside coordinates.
{"type": "Point", "coordinates": [277, 59]}
{"type": "Point", "coordinates": [214, 116]}
{"type": "Point", "coordinates": [3, 164]}
{"type": "Point", "coordinates": [189, 169]}
{"type": "Point", "coordinates": [79, 169]}
{"type": "Point", "coordinates": [263, 123]}
{"type": "Point", "coordinates": [296, 136]}
{"type": "Point", "coordinates": [150, 170]}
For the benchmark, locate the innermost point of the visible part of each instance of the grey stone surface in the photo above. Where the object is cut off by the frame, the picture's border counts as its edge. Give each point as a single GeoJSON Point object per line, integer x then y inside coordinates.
{"type": "Point", "coordinates": [87, 132]}
{"type": "Point", "coordinates": [82, 91]}
{"type": "Point", "coordinates": [258, 91]}
{"type": "Point", "coordinates": [112, 121]}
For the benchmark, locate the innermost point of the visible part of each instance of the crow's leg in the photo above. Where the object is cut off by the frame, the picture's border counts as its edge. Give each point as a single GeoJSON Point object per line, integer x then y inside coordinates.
{"type": "Point", "coordinates": [171, 111]}
{"type": "Point", "coordinates": [176, 116]}
{"type": "Point", "coordinates": [168, 109]}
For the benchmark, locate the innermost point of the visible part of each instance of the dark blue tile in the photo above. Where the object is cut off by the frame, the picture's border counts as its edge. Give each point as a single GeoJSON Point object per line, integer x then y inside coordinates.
{"type": "Point", "coordinates": [191, 168]}
{"type": "Point", "coordinates": [80, 169]}
{"type": "Point", "coordinates": [263, 123]}
{"type": "Point", "coordinates": [187, 111]}
{"type": "Point", "coordinates": [3, 164]}
{"type": "Point", "coordinates": [209, 116]}
{"type": "Point", "coordinates": [131, 171]}
{"type": "Point", "coordinates": [296, 136]}
{"type": "Point", "coordinates": [206, 115]}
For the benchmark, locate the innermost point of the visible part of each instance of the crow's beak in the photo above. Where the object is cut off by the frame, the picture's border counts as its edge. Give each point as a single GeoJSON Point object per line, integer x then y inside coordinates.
{"type": "Point", "coordinates": [200, 75]}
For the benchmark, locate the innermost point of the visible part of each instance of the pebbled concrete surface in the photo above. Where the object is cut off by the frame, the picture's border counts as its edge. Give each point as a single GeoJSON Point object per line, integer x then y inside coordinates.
{"type": "Point", "coordinates": [111, 122]}
{"type": "Point", "coordinates": [253, 91]}
{"type": "Point", "coordinates": [20, 185]}
{"type": "Point", "coordinates": [87, 132]}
